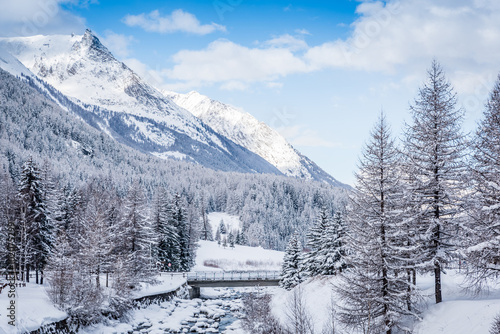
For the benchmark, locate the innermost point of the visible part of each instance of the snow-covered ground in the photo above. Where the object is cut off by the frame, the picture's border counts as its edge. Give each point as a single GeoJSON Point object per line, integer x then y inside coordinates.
{"type": "Point", "coordinates": [33, 309]}
{"type": "Point", "coordinates": [167, 282]}
{"type": "Point", "coordinates": [233, 223]}
{"type": "Point", "coordinates": [460, 313]}
{"type": "Point", "coordinates": [210, 256]}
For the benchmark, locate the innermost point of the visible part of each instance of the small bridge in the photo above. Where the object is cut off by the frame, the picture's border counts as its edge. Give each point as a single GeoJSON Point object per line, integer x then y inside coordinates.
{"type": "Point", "coordinates": [219, 279]}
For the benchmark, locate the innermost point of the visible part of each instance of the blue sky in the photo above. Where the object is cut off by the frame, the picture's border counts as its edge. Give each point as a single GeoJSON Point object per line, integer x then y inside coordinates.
{"type": "Point", "coordinates": [317, 71]}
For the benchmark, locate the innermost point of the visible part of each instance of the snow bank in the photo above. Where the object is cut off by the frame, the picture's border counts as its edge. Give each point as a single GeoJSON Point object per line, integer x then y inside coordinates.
{"type": "Point", "coordinates": [33, 309]}
{"type": "Point", "coordinates": [317, 293]}
{"type": "Point", "coordinates": [460, 313]}
{"type": "Point", "coordinates": [210, 256]}
{"type": "Point", "coordinates": [168, 282]}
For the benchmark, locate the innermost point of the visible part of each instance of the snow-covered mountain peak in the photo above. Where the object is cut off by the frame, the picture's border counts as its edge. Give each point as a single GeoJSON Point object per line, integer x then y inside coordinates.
{"type": "Point", "coordinates": [247, 131]}
{"type": "Point", "coordinates": [82, 69]}
{"type": "Point", "coordinates": [91, 46]}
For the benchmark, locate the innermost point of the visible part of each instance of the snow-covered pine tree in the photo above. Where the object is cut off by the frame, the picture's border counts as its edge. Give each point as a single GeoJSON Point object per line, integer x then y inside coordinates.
{"type": "Point", "coordinates": [167, 250]}
{"type": "Point", "coordinates": [372, 292]}
{"type": "Point", "coordinates": [179, 219]}
{"type": "Point", "coordinates": [39, 231]}
{"type": "Point", "coordinates": [435, 149]}
{"type": "Point", "coordinates": [484, 227]}
{"type": "Point", "coordinates": [217, 236]}
{"type": "Point", "coordinates": [193, 226]}
{"type": "Point", "coordinates": [230, 239]}
{"type": "Point", "coordinates": [137, 236]}
{"type": "Point", "coordinates": [222, 227]}
{"type": "Point", "coordinates": [237, 239]}
{"type": "Point", "coordinates": [243, 239]}
{"type": "Point", "coordinates": [315, 239]}
{"type": "Point", "coordinates": [96, 237]}
{"type": "Point", "coordinates": [206, 228]}
{"type": "Point", "coordinates": [332, 251]}
{"type": "Point", "coordinates": [8, 215]}
{"type": "Point", "coordinates": [291, 272]}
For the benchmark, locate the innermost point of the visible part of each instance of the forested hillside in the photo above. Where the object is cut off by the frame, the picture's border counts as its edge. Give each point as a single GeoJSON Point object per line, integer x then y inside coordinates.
{"type": "Point", "coordinates": [270, 206]}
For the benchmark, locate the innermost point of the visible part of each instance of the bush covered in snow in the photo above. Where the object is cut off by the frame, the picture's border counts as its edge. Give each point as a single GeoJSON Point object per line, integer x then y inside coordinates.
{"type": "Point", "coordinates": [258, 318]}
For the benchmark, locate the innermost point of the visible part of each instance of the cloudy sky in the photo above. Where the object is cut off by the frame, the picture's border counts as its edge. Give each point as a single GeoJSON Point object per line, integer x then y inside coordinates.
{"type": "Point", "coordinates": [319, 72]}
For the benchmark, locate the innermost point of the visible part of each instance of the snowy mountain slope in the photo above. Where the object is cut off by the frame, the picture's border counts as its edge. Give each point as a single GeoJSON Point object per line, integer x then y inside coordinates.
{"type": "Point", "coordinates": [256, 136]}
{"type": "Point", "coordinates": [13, 65]}
{"type": "Point", "coordinates": [133, 112]}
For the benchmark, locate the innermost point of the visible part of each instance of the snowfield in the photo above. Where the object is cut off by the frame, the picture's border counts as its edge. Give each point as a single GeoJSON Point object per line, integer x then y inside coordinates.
{"type": "Point", "coordinates": [460, 313]}
{"type": "Point", "coordinates": [232, 222]}
{"type": "Point", "coordinates": [210, 256]}
{"type": "Point", "coordinates": [33, 309]}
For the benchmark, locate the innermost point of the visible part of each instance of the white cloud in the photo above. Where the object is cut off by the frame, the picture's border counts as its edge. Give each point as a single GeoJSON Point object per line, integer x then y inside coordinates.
{"type": "Point", "coordinates": [34, 17]}
{"type": "Point", "coordinates": [287, 41]}
{"type": "Point", "coordinates": [118, 44]}
{"type": "Point", "coordinates": [458, 33]}
{"type": "Point", "coordinates": [302, 32]}
{"type": "Point", "coordinates": [234, 85]}
{"type": "Point", "coordinates": [275, 85]}
{"type": "Point", "coordinates": [224, 61]}
{"type": "Point", "coordinates": [388, 36]}
{"type": "Point", "coordinates": [177, 21]}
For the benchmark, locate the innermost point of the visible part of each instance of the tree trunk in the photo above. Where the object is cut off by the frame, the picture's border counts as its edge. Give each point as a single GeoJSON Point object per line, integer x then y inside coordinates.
{"type": "Point", "coordinates": [408, 296]}
{"type": "Point", "coordinates": [437, 279]}
{"type": "Point", "coordinates": [36, 275]}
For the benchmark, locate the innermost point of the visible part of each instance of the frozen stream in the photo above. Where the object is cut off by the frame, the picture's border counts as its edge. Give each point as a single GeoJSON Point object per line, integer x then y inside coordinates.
{"type": "Point", "coordinates": [218, 311]}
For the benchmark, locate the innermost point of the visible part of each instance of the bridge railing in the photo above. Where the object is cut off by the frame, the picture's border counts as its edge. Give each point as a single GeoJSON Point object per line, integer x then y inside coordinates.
{"type": "Point", "coordinates": [233, 275]}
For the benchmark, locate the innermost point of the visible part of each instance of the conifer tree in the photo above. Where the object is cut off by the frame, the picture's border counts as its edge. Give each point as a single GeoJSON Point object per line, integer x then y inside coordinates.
{"type": "Point", "coordinates": [137, 235]}
{"type": "Point", "coordinates": [332, 251]}
{"type": "Point", "coordinates": [206, 228]}
{"type": "Point", "coordinates": [218, 236]}
{"type": "Point", "coordinates": [291, 273]}
{"type": "Point", "coordinates": [230, 239]}
{"type": "Point", "coordinates": [484, 227]}
{"type": "Point", "coordinates": [371, 290]}
{"type": "Point", "coordinates": [96, 238]}
{"type": "Point", "coordinates": [167, 250]}
{"type": "Point", "coordinates": [435, 150]}
{"type": "Point", "coordinates": [9, 208]}
{"type": "Point", "coordinates": [237, 239]}
{"type": "Point", "coordinates": [222, 227]}
{"type": "Point", "coordinates": [179, 219]}
{"type": "Point", "coordinates": [35, 222]}
{"type": "Point", "coordinates": [315, 240]}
